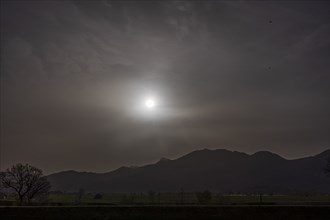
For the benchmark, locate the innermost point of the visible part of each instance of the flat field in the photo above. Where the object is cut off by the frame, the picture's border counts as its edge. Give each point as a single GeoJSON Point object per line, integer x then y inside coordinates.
{"type": "Point", "coordinates": [187, 199]}
{"type": "Point", "coordinates": [166, 212]}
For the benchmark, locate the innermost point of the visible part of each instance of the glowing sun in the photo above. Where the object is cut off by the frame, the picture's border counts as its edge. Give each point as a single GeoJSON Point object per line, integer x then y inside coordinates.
{"type": "Point", "coordinates": [150, 103]}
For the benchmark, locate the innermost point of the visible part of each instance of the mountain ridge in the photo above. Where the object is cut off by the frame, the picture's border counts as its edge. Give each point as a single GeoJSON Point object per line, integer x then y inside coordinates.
{"type": "Point", "coordinates": [217, 169]}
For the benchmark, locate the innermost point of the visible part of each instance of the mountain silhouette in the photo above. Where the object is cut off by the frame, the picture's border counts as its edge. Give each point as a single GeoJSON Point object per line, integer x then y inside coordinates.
{"type": "Point", "coordinates": [216, 170]}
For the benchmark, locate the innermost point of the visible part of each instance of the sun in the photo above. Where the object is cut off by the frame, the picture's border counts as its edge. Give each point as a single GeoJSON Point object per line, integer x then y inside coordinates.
{"type": "Point", "coordinates": [150, 103]}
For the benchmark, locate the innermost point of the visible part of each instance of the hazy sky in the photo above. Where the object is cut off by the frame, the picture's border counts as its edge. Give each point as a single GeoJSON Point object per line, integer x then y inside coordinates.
{"type": "Point", "coordinates": [236, 75]}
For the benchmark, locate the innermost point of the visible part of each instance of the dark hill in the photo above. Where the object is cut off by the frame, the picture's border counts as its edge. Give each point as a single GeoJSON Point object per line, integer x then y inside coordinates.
{"type": "Point", "coordinates": [217, 170]}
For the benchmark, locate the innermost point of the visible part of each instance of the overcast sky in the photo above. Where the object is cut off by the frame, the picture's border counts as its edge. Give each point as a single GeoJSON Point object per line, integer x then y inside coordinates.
{"type": "Point", "coordinates": [235, 75]}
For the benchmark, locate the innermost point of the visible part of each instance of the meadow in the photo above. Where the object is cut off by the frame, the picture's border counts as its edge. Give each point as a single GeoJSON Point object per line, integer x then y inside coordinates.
{"type": "Point", "coordinates": [145, 206]}
{"type": "Point", "coordinates": [166, 212]}
{"type": "Point", "coordinates": [153, 198]}
{"type": "Point", "coordinates": [170, 198]}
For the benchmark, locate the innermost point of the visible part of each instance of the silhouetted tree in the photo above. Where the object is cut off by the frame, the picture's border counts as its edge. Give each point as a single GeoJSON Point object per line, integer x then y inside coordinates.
{"type": "Point", "coordinates": [181, 195]}
{"type": "Point", "coordinates": [327, 168]}
{"type": "Point", "coordinates": [98, 196]}
{"type": "Point", "coordinates": [80, 195]}
{"type": "Point", "coordinates": [327, 171]}
{"type": "Point", "coordinates": [27, 181]}
{"type": "Point", "coordinates": [151, 196]}
{"type": "Point", "coordinates": [260, 198]}
{"type": "Point", "coordinates": [132, 197]}
{"type": "Point", "coordinates": [204, 197]}
{"type": "Point", "coordinates": [220, 198]}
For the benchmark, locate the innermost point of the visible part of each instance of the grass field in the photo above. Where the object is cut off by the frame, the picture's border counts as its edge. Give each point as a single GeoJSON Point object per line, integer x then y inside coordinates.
{"type": "Point", "coordinates": [189, 198]}
{"type": "Point", "coordinates": [178, 199]}
{"type": "Point", "coordinates": [167, 212]}
{"type": "Point", "coordinates": [163, 206]}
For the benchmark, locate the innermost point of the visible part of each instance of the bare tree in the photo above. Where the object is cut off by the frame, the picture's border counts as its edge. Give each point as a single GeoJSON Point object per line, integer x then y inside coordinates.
{"type": "Point", "coordinates": [98, 196]}
{"type": "Point", "coordinates": [152, 196]}
{"type": "Point", "coordinates": [327, 171]}
{"type": "Point", "coordinates": [327, 168]}
{"type": "Point", "coordinates": [204, 197]}
{"type": "Point", "coordinates": [80, 195]}
{"type": "Point", "coordinates": [27, 181]}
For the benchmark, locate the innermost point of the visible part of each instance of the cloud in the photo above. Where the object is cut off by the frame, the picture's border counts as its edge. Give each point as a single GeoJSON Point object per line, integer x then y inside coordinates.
{"type": "Point", "coordinates": [74, 71]}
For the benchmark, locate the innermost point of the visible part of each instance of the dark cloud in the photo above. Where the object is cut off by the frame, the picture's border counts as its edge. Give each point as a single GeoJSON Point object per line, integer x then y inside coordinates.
{"type": "Point", "coordinates": [237, 75]}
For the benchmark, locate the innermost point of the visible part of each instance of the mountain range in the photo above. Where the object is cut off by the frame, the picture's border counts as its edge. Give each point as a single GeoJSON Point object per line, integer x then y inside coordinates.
{"type": "Point", "coordinates": [217, 170]}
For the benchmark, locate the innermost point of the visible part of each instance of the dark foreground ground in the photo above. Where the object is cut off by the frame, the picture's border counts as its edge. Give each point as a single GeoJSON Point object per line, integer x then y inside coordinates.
{"type": "Point", "coordinates": [168, 212]}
